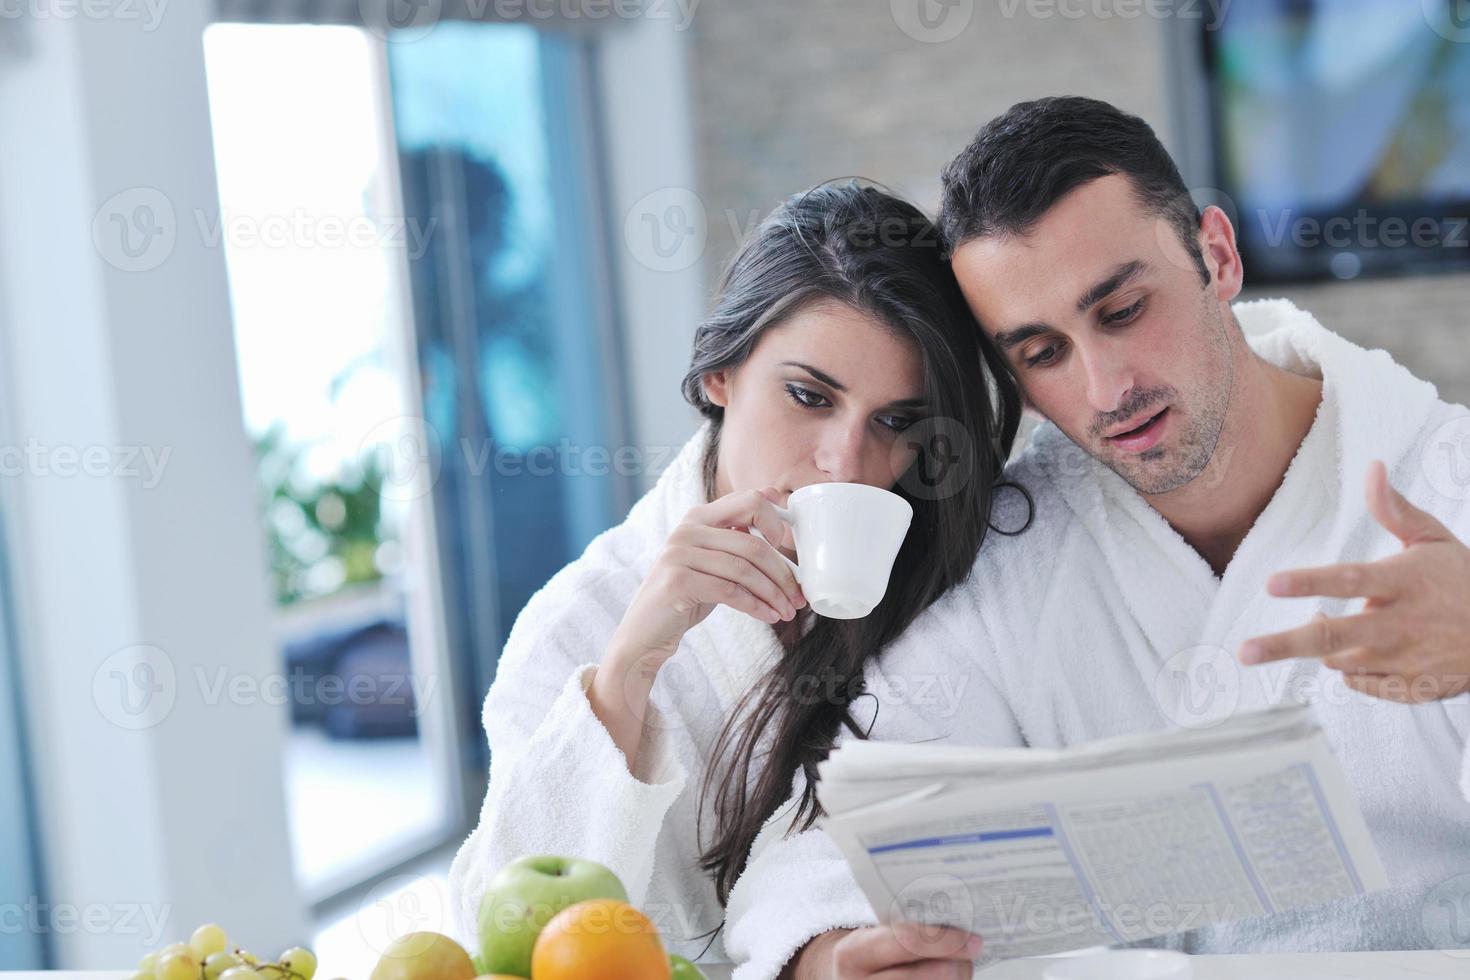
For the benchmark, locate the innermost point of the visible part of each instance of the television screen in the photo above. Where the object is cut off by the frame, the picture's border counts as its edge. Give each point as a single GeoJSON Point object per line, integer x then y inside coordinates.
{"type": "Point", "coordinates": [1342, 134]}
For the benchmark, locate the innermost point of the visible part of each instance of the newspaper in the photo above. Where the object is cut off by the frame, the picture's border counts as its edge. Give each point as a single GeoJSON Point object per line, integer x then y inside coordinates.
{"type": "Point", "coordinates": [1043, 851]}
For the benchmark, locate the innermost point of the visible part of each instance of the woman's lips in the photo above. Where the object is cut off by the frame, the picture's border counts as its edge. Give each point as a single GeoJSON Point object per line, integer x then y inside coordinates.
{"type": "Point", "coordinates": [1143, 438]}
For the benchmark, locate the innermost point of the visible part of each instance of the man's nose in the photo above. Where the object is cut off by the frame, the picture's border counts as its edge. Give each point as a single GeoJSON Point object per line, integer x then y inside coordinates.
{"type": "Point", "coordinates": [1109, 379]}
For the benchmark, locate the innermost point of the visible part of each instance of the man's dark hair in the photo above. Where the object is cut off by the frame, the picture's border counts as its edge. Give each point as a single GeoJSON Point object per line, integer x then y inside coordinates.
{"type": "Point", "coordinates": [1026, 159]}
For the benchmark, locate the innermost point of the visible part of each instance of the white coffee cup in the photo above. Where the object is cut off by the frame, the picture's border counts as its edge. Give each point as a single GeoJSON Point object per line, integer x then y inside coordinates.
{"type": "Point", "coordinates": [847, 537]}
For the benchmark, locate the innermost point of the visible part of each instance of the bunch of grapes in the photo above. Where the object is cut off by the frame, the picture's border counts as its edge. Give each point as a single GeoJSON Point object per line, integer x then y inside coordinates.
{"type": "Point", "coordinates": [208, 956]}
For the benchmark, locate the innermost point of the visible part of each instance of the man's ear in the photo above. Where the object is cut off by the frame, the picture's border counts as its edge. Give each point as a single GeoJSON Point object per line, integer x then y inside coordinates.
{"type": "Point", "coordinates": [1222, 257]}
{"type": "Point", "coordinates": [717, 387]}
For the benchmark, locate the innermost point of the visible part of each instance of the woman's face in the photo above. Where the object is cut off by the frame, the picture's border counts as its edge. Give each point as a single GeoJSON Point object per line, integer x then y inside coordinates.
{"type": "Point", "coordinates": [822, 398]}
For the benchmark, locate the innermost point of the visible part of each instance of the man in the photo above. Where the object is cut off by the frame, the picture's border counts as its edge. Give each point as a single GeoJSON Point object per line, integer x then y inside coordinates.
{"type": "Point", "coordinates": [1216, 530]}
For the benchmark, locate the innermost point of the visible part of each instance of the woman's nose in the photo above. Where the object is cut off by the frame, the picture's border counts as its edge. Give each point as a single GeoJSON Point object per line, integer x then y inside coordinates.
{"type": "Point", "coordinates": [840, 455]}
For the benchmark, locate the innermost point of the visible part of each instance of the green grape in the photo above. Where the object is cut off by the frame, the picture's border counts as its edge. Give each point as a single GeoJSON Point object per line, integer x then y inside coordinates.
{"type": "Point", "coordinates": [148, 965]}
{"type": "Point", "coordinates": [174, 948]}
{"type": "Point", "coordinates": [208, 940]}
{"type": "Point", "coordinates": [250, 959]}
{"type": "Point", "coordinates": [300, 961]}
{"type": "Point", "coordinates": [220, 962]}
{"type": "Point", "coordinates": [239, 973]}
{"type": "Point", "coordinates": [178, 966]}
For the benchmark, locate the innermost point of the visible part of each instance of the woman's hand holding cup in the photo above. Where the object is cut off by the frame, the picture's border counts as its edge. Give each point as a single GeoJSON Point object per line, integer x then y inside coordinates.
{"type": "Point", "coordinates": [711, 559]}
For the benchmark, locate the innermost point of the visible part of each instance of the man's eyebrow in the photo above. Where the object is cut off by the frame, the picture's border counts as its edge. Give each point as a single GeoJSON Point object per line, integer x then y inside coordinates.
{"type": "Point", "coordinates": [1016, 336]}
{"type": "Point", "coordinates": [821, 376]}
{"type": "Point", "coordinates": [1121, 277]}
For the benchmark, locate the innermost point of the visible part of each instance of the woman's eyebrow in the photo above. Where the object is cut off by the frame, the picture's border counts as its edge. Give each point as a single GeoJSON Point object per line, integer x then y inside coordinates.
{"type": "Point", "coordinates": [821, 376]}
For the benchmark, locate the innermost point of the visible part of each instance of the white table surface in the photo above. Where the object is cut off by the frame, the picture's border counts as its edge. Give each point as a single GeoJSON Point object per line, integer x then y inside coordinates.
{"type": "Point", "coordinates": [1295, 966]}
{"type": "Point", "coordinates": [1298, 966]}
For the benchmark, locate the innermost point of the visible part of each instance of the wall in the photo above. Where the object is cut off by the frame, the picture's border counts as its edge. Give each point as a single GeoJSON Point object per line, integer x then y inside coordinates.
{"type": "Point", "coordinates": [790, 93]}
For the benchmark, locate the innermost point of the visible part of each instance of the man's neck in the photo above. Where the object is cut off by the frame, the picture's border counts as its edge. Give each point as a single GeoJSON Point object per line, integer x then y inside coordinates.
{"type": "Point", "coordinates": [1271, 411]}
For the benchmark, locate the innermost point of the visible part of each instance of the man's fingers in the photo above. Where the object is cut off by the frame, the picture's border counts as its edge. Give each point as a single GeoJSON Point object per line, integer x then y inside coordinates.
{"type": "Point", "coordinates": [1399, 517]}
{"type": "Point", "coordinates": [928, 970]}
{"type": "Point", "coordinates": [1352, 580]}
{"type": "Point", "coordinates": [1359, 660]}
{"type": "Point", "coordinates": [878, 948]}
{"type": "Point", "coordinates": [1386, 687]}
{"type": "Point", "coordinates": [1322, 637]}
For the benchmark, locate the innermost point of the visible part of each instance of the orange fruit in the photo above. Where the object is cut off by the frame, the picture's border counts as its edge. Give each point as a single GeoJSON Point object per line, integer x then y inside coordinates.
{"type": "Point", "coordinates": [600, 939]}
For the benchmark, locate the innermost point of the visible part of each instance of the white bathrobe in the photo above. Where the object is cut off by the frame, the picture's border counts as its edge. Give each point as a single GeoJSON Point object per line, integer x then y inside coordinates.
{"type": "Point", "coordinates": [558, 784]}
{"type": "Point", "coordinates": [1100, 620]}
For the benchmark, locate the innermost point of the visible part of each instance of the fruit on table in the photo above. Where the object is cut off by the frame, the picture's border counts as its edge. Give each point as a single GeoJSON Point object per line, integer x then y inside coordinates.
{"type": "Point", "coordinates": [682, 969]}
{"type": "Point", "coordinates": [524, 896]}
{"type": "Point", "coordinates": [600, 939]}
{"type": "Point", "coordinates": [424, 956]}
{"type": "Point", "coordinates": [208, 956]}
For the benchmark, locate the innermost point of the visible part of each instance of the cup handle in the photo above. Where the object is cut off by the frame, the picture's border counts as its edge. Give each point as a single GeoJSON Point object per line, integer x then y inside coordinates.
{"type": "Point", "coordinates": [789, 518]}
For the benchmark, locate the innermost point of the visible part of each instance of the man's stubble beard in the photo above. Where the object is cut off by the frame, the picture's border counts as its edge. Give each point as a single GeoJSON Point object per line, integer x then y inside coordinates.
{"type": "Point", "coordinates": [1208, 410]}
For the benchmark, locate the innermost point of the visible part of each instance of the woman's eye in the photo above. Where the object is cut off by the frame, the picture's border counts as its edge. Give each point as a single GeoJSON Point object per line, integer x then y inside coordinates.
{"type": "Point", "coordinates": [897, 423]}
{"type": "Point", "coordinates": [805, 396]}
{"type": "Point", "coordinates": [1124, 316]}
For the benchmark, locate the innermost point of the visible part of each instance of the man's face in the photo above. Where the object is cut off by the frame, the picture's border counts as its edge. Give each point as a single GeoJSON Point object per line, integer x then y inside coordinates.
{"type": "Point", "coordinates": [1101, 313]}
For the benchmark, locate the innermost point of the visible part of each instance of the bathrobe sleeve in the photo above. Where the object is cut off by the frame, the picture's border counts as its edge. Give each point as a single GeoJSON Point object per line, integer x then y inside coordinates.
{"type": "Point", "coordinates": [796, 887]}
{"type": "Point", "coordinates": [558, 784]}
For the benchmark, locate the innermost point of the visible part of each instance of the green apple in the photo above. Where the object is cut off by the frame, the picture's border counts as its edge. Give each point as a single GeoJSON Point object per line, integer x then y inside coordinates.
{"type": "Point", "coordinates": [682, 969]}
{"type": "Point", "coordinates": [424, 956]}
{"type": "Point", "coordinates": [525, 895]}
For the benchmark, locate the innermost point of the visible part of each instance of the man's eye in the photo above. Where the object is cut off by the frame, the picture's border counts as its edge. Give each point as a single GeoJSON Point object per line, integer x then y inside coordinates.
{"type": "Point", "coordinates": [1042, 357]}
{"type": "Point", "coordinates": [1124, 316]}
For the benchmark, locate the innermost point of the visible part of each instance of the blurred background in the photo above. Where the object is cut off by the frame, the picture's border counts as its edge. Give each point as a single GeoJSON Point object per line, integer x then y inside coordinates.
{"type": "Point", "coordinates": [329, 330]}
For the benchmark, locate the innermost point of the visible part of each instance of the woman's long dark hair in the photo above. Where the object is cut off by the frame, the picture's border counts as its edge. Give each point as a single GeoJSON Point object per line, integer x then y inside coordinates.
{"type": "Point", "coordinates": [860, 246]}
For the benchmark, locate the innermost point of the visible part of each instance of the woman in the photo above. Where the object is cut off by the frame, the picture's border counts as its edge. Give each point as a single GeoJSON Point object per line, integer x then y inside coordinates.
{"type": "Point", "coordinates": [679, 642]}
